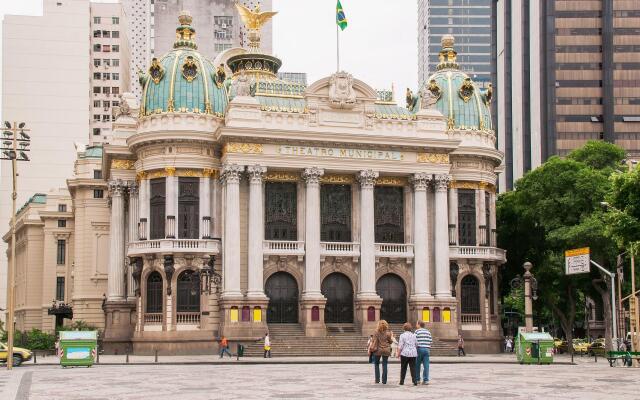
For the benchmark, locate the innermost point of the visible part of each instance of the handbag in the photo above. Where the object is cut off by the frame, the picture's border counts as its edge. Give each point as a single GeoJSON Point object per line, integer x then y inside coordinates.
{"type": "Point", "coordinates": [373, 347]}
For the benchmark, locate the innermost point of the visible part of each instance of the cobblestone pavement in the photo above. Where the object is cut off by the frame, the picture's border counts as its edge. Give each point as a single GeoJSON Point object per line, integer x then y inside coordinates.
{"type": "Point", "coordinates": [587, 380]}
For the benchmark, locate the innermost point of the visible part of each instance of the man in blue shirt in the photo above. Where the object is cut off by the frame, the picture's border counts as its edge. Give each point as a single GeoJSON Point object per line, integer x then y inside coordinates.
{"type": "Point", "coordinates": [423, 344]}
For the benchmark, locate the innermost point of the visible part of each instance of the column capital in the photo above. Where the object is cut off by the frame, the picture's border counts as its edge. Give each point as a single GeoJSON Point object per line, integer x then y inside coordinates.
{"type": "Point", "coordinates": [367, 178]}
{"type": "Point", "coordinates": [441, 182]}
{"type": "Point", "coordinates": [133, 188]}
{"type": "Point", "coordinates": [312, 175]}
{"type": "Point", "coordinates": [231, 173]}
{"type": "Point", "coordinates": [256, 173]}
{"type": "Point", "coordinates": [420, 181]}
{"type": "Point", "coordinates": [117, 188]}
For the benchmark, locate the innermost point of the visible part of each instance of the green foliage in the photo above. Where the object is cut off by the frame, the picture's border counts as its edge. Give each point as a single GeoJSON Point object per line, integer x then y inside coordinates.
{"type": "Point", "coordinates": [514, 301]}
{"type": "Point", "coordinates": [623, 217]}
{"type": "Point", "coordinates": [554, 208]}
{"type": "Point", "coordinates": [35, 339]}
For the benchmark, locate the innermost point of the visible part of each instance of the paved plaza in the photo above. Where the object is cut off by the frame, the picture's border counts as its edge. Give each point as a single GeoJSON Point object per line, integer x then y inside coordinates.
{"type": "Point", "coordinates": [230, 380]}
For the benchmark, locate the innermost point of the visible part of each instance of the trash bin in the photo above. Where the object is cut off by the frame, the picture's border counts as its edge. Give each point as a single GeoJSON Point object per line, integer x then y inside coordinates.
{"type": "Point", "coordinates": [78, 348]}
{"type": "Point", "coordinates": [240, 349]}
{"type": "Point", "coordinates": [534, 348]}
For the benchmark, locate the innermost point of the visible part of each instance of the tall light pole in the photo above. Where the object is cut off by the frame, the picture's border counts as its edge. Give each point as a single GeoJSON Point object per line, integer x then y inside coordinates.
{"type": "Point", "coordinates": [528, 303]}
{"type": "Point", "coordinates": [14, 147]}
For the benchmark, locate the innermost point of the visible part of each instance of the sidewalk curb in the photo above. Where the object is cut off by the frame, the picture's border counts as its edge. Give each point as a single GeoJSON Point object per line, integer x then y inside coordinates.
{"type": "Point", "coordinates": [291, 362]}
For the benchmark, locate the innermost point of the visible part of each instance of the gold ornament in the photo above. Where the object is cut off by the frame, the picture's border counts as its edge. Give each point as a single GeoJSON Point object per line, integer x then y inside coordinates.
{"type": "Point", "coordinates": [433, 158]}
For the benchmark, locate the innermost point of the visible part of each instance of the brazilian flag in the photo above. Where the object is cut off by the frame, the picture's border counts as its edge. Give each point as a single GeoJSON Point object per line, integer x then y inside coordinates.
{"type": "Point", "coordinates": [341, 20]}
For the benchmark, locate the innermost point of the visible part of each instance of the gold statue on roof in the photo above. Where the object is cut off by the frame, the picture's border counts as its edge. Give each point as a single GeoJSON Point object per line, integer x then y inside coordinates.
{"type": "Point", "coordinates": [254, 21]}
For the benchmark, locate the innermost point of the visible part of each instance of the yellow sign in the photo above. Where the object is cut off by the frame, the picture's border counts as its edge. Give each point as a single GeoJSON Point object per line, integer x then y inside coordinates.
{"type": "Point", "coordinates": [577, 261]}
{"type": "Point", "coordinates": [339, 152]}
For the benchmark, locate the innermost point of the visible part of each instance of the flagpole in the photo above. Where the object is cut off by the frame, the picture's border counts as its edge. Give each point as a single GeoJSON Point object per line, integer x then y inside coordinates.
{"type": "Point", "coordinates": [337, 48]}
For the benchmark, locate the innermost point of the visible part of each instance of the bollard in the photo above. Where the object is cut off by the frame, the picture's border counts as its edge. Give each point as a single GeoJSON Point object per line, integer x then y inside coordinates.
{"type": "Point", "coordinates": [156, 359]}
{"type": "Point", "coordinates": [127, 358]}
{"type": "Point", "coordinates": [35, 357]}
{"type": "Point", "coordinates": [595, 355]}
{"type": "Point", "coordinates": [97, 355]}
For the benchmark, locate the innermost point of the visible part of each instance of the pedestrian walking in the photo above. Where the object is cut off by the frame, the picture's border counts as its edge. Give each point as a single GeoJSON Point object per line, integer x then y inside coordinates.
{"type": "Point", "coordinates": [381, 348]}
{"type": "Point", "coordinates": [423, 345]}
{"type": "Point", "coordinates": [224, 347]}
{"type": "Point", "coordinates": [394, 345]}
{"type": "Point", "coordinates": [408, 353]}
{"type": "Point", "coordinates": [508, 345]}
{"type": "Point", "coordinates": [461, 346]}
{"type": "Point", "coordinates": [369, 343]}
{"type": "Point", "coordinates": [267, 346]}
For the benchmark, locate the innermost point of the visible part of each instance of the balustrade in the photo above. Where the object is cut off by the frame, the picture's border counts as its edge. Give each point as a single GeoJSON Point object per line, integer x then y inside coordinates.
{"type": "Point", "coordinates": [471, 318]}
{"type": "Point", "coordinates": [188, 318]}
{"type": "Point", "coordinates": [153, 318]}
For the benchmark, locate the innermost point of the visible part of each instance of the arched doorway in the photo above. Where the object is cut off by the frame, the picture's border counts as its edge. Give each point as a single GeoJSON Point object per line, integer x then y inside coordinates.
{"type": "Point", "coordinates": [470, 295]}
{"type": "Point", "coordinates": [394, 298]}
{"type": "Point", "coordinates": [337, 288]}
{"type": "Point", "coordinates": [154, 293]}
{"type": "Point", "coordinates": [282, 290]}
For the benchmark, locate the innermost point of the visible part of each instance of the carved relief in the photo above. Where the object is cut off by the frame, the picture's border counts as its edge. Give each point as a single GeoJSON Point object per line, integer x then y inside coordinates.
{"type": "Point", "coordinates": [256, 173]}
{"type": "Point", "coordinates": [433, 158]}
{"type": "Point", "coordinates": [367, 178]}
{"type": "Point", "coordinates": [341, 93]}
{"type": "Point", "coordinates": [244, 148]}
{"type": "Point", "coordinates": [391, 181]}
{"type": "Point", "coordinates": [156, 71]}
{"type": "Point", "coordinates": [466, 90]}
{"type": "Point", "coordinates": [122, 164]}
{"type": "Point", "coordinates": [189, 69]}
{"type": "Point", "coordinates": [281, 176]}
{"type": "Point", "coordinates": [231, 173]}
{"type": "Point", "coordinates": [420, 180]}
{"type": "Point", "coordinates": [312, 175]}
{"type": "Point", "coordinates": [338, 179]}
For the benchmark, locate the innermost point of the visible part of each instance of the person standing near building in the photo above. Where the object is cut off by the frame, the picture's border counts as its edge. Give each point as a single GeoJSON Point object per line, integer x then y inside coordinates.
{"type": "Point", "coordinates": [224, 347]}
{"type": "Point", "coordinates": [369, 343]}
{"type": "Point", "coordinates": [423, 345]}
{"type": "Point", "coordinates": [408, 353]}
{"type": "Point", "coordinates": [461, 345]}
{"type": "Point", "coordinates": [267, 346]}
{"type": "Point", "coordinates": [381, 348]}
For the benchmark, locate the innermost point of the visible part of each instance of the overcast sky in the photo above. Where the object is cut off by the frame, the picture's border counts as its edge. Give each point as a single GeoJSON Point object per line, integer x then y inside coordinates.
{"type": "Point", "coordinates": [379, 46]}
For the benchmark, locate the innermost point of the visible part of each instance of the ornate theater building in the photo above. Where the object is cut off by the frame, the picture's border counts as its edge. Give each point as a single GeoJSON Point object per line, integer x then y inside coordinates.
{"type": "Point", "coordinates": [229, 201]}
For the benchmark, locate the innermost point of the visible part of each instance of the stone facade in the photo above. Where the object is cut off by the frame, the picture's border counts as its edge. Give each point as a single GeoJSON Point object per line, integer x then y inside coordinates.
{"type": "Point", "coordinates": [279, 204]}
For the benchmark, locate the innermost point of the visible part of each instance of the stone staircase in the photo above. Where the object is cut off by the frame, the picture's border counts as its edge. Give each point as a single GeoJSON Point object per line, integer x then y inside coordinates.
{"type": "Point", "coordinates": [288, 340]}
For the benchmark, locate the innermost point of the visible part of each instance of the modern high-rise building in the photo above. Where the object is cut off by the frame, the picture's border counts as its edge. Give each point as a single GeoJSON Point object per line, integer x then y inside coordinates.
{"type": "Point", "coordinates": [109, 65]}
{"type": "Point", "coordinates": [565, 72]}
{"type": "Point", "coordinates": [139, 23]}
{"type": "Point", "coordinates": [470, 22]}
{"type": "Point", "coordinates": [218, 27]}
{"type": "Point", "coordinates": [46, 84]}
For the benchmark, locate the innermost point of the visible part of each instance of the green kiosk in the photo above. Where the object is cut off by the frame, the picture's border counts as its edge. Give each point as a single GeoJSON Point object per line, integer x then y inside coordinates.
{"type": "Point", "coordinates": [534, 348]}
{"type": "Point", "coordinates": [78, 348]}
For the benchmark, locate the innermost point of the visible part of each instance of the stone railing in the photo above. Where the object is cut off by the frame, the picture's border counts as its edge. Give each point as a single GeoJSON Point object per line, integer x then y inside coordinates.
{"type": "Point", "coordinates": [283, 248]}
{"type": "Point", "coordinates": [199, 246]}
{"type": "Point", "coordinates": [340, 249]}
{"type": "Point", "coordinates": [471, 318]}
{"type": "Point", "coordinates": [153, 318]}
{"type": "Point", "coordinates": [395, 250]}
{"type": "Point", "coordinates": [477, 252]}
{"type": "Point", "coordinates": [188, 318]}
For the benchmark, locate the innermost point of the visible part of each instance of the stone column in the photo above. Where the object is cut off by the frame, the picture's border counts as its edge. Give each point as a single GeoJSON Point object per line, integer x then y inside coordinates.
{"type": "Point", "coordinates": [367, 235]}
{"type": "Point", "coordinates": [312, 233]}
{"type": "Point", "coordinates": [230, 178]}
{"type": "Point", "coordinates": [171, 207]}
{"type": "Point", "coordinates": [205, 204]}
{"type": "Point", "coordinates": [482, 218]}
{"type": "Point", "coordinates": [116, 276]}
{"type": "Point", "coordinates": [256, 232]}
{"type": "Point", "coordinates": [144, 207]}
{"type": "Point", "coordinates": [134, 220]}
{"type": "Point", "coordinates": [367, 297]}
{"type": "Point", "coordinates": [443, 284]}
{"type": "Point", "coordinates": [453, 214]}
{"type": "Point", "coordinates": [421, 290]}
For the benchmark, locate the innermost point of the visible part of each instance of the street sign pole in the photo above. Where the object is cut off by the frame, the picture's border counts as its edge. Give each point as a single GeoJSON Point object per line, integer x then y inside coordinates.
{"type": "Point", "coordinates": [611, 276]}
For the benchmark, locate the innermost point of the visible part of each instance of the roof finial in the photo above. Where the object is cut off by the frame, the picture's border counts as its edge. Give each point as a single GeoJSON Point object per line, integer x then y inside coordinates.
{"type": "Point", "coordinates": [448, 54]}
{"type": "Point", "coordinates": [253, 21]}
{"type": "Point", "coordinates": [185, 32]}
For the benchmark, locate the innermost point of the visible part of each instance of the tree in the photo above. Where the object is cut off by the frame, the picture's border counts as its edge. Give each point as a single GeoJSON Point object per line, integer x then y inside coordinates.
{"type": "Point", "coordinates": [554, 208]}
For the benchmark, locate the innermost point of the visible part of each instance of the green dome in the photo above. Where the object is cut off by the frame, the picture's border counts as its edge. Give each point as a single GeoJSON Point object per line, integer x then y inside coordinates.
{"type": "Point", "coordinates": [183, 81]}
{"type": "Point", "coordinates": [458, 97]}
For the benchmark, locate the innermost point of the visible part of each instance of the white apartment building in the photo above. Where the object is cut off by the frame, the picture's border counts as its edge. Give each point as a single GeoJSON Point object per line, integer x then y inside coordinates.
{"type": "Point", "coordinates": [109, 65]}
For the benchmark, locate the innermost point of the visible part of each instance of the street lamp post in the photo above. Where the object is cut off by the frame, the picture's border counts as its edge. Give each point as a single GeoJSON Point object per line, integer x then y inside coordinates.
{"type": "Point", "coordinates": [528, 304]}
{"type": "Point", "coordinates": [13, 148]}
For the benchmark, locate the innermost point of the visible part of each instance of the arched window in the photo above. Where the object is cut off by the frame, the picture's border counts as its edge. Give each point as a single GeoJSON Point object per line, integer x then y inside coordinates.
{"type": "Point", "coordinates": [436, 314]}
{"type": "Point", "coordinates": [188, 292]}
{"type": "Point", "coordinates": [470, 295]}
{"type": "Point", "coordinates": [154, 293]}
